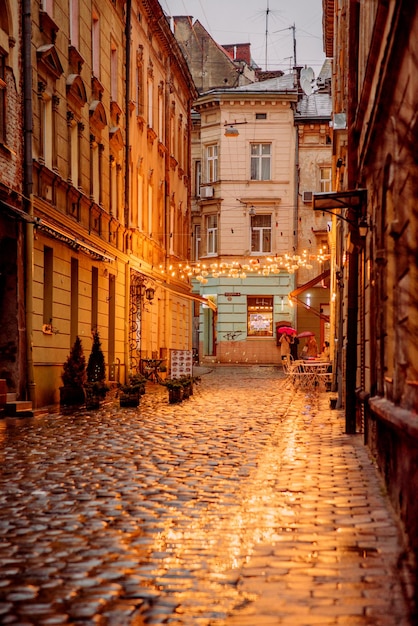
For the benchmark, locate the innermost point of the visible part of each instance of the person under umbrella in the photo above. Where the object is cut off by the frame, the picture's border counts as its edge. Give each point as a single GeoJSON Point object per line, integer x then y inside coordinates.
{"type": "Point", "coordinates": [285, 341]}
{"type": "Point", "coordinates": [310, 349]}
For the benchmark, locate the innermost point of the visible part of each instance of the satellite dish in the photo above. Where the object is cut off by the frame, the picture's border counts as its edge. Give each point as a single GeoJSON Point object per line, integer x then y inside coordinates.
{"type": "Point", "coordinates": [307, 77]}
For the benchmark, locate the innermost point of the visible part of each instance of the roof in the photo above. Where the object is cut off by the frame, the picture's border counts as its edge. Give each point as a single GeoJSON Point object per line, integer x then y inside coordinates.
{"type": "Point", "coordinates": [278, 83]}
{"type": "Point", "coordinates": [317, 105]}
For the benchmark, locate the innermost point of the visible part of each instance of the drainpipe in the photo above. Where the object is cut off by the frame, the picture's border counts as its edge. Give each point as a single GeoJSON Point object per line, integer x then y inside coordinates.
{"type": "Point", "coordinates": [127, 181]}
{"type": "Point", "coordinates": [127, 109]}
{"type": "Point", "coordinates": [296, 204]}
{"type": "Point", "coordinates": [28, 190]}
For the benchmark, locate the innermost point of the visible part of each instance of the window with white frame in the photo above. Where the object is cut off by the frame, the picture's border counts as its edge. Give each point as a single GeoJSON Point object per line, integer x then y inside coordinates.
{"type": "Point", "coordinates": [211, 234]}
{"type": "Point", "coordinates": [197, 177]}
{"type": "Point", "coordinates": [325, 178]}
{"type": "Point", "coordinates": [211, 163]}
{"type": "Point", "coordinates": [196, 247]}
{"type": "Point", "coordinates": [260, 316]}
{"type": "Point", "coordinates": [261, 233]}
{"type": "Point", "coordinates": [260, 161]}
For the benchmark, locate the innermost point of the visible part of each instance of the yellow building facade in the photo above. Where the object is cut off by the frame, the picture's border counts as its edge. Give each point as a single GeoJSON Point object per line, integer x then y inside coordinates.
{"type": "Point", "coordinates": [110, 102]}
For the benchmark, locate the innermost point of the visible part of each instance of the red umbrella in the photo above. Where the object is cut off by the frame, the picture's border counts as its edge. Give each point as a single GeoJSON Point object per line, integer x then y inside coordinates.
{"type": "Point", "coordinates": [287, 330]}
{"type": "Point", "coordinates": [306, 333]}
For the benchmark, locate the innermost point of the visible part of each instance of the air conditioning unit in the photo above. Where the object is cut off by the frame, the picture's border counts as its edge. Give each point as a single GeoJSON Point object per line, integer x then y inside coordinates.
{"type": "Point", "coordinates": [307, 196]}
{"type": "Point", "coordinates": [206, 192]}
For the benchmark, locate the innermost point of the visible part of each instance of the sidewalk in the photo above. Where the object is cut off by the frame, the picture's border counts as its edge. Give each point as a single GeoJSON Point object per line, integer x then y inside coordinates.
{"type": "Point", "coordinates": [337, 557]}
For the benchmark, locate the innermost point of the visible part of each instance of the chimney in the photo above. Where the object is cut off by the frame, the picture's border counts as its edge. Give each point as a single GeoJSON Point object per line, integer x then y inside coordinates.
{"type": "Point", "coordinates": [238, 52]}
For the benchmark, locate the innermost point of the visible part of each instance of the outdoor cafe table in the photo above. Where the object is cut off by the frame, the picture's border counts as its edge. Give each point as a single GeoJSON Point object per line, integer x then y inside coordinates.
{"type": "Point", "coordinates": [309, 374]}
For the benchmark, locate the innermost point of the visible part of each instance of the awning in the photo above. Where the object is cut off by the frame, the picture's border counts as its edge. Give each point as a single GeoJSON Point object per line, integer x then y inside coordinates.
{"type": "Point", "coordinates": [339, 199]}
{"type": "Point", "coordinates": [63, 235]}
{"type": "Point", "coordinates": [293, 295]}
{"type": "Point", "coordinates": [309, 284]}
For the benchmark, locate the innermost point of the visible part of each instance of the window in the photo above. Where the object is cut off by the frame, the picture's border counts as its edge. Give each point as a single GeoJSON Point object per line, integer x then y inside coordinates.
{"type": "Point", "coordinates": [161, 128]}
{"type": "Point", "coordinates": [48, 6]}
{"type": "Point", "coordinates": [46, 126]}
{"type": "Point", "coordinates": [74, 148]}
{"type": "Point", "coordinates": [196, 249]}
{"type": "Point", "coordinates": [74, 23]}
{"type": "Point", "coordinates": [114, 73]}
{"type": "Point", "coordinates": [95, 172]}
{"type": "Point", "coordinates": [261, 233]}
{"type": "Point", "coordinates": [260, 161]}
{"type": "Point", "coordinates": [197, 178]}
{"type": "Point", "coordinates": [48, 284]}
{"type": "Point", "coordinates": [111, 341]}
{"type": "Point", "coordinates": [140, 82]}
{"type": "Point", "coordinates": [260, 316]}
{"type": "Point", "coordinates": [74, 302]}
{"type": "Point", "coordinates": [261, 116]}
{"type": "Point", "coordinates": [150, 110]}
{"type": "Point", "coordinates": [212, 234]}
{"type": "Point", "coordinates": [95, 45]}
{"type": "Point", "coordinates": [211, 163]}
{"type": "Point", "coordinates": [94, 298]}
{"type": "Point", "coordinates": [325, 178]}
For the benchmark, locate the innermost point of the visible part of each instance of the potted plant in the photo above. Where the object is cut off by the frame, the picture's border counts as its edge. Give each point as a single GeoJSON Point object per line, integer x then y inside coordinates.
{"type": "Point", "coordinates": [96, 388]}
{"type": "Point", "coordinates": [175, 390]}
{"type": "Point", "coordinates": [187, 382]}
{"type": "Point", "coordinates": [74, 377]}
{"type": "Point", "coordinates": [130, 394]}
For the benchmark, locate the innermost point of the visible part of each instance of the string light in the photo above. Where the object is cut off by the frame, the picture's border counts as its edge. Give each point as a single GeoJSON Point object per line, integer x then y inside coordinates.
{"type": "Point", "coordinates": [263, 266]}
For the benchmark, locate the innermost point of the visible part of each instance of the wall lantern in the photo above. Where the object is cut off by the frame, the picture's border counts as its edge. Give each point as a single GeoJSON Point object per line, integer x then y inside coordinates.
{"type": "Point", "coordinates": [149, 293]}
{"type": "Point", "coordinates": [251, 211]}
{"type": "Point", "coordinates": [230, 130]}
{"type": "Point", "coordinates": [363, 227]}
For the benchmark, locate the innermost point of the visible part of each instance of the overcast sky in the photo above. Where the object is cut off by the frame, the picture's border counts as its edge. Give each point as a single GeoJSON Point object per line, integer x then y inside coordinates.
{"type": "Point", "coordinates": [261, 22]}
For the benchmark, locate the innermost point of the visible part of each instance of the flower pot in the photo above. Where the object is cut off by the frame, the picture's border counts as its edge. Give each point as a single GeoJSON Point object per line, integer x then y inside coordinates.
{"type": "Point", "coordinates": [72, 396]}
{"type": "Point", "coordinates": [333, 403]}
{"type": "Point", "coordinates": [187, 390]}
{"type": "Point", "coordinates": [175, 395]}
{"type": "Point", "coordinates": [129, 399]}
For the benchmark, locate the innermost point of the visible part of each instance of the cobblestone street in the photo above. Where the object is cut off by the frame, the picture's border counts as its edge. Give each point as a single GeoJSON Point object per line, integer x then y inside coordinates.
{"type": "Point", "coordinates": [245, 505]}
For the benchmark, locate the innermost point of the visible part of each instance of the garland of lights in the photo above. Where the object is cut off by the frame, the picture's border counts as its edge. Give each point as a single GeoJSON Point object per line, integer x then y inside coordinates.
{"type": "Point", "coordinates": [264, 266]}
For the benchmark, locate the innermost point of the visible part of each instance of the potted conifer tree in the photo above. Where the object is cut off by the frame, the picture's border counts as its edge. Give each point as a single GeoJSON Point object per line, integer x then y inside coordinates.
{"type": "Point", "coordinates": [74, 377]}
{"type": "Point", "coordinates": [96, 387]}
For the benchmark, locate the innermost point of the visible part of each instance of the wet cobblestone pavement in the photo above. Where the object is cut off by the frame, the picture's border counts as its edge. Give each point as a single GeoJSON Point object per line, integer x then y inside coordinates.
{"type": "Point", "coordinates": [244, 505]}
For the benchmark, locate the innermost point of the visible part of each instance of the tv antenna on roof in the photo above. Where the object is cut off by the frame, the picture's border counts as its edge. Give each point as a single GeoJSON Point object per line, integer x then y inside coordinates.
{"type": "Point", "coordinates": [267, 32]}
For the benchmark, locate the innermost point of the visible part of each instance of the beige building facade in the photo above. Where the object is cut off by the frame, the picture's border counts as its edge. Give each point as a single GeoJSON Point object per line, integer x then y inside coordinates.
{"type": "Point", "coordinates": [245, 243]}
